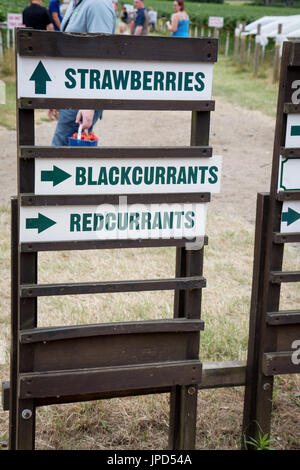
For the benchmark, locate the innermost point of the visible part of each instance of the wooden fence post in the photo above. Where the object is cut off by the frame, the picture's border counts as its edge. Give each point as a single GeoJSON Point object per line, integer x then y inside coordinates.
{"type": "Point", "coordinates": [277, 57]}
{"type": "Point", "coordinates": [242, 46]}
{"type": "Point", "coordinates": [227, 43]}
{"type": "Point", "coordinates": [256, 53]}
{"type": "Point", "coordinates": [236, 42]}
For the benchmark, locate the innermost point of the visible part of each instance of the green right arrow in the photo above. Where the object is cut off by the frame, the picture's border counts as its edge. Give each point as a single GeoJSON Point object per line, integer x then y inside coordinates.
{"type": "Point", "coordinates": [290, 216]}
{"type": "Point", "coordinates": [40, 77]}
{"type": "Point", "coordinates": [41, 223]}
{"type": "Point", "coordinates": [56, 175]}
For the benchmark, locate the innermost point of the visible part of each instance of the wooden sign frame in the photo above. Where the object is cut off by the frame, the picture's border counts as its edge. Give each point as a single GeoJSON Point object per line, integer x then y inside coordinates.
{"type": "Point", "coordinates": [44, 368]}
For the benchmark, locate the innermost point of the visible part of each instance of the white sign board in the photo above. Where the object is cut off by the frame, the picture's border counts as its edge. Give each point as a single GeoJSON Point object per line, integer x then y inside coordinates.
{"type": "Point", "coordinates": [215, 22]}
{"type": "Point", "coordinates": [110, 79]}
{"type": "Point", "coordinates": [112, 222]}
{"type": "Point", "coordinates": [14, 20]}
{"type": "Point", "coordinates": [290, 217]}
{"type": "Point", "coordinates": [292, 138]}
{"type": "Point", "coordinates": [289, 174]}
{"type": "Point", "coordinates": [130, 176]}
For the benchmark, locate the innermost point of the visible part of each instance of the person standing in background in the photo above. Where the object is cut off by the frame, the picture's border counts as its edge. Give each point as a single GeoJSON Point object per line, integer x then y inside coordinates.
{"type": "Point", "coordinates": [82, 16]}
{"type": "Point", "coordinates": [179, 25]}
{"type": "Point", "coordinates": [37, 17]}
{"type": "Point", "coordinates": [54, 10]}
{"type": "Point", "coordinates": [140, 24]}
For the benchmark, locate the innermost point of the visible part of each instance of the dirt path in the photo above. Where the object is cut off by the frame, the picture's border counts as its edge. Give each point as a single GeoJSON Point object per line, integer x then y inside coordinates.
{"type": "Point", "coordinates": [244, 138]}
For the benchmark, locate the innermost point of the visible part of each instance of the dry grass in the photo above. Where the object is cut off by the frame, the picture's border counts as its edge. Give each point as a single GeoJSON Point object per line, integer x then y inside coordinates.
{"type": "Point", "coordinates": [142, 422]}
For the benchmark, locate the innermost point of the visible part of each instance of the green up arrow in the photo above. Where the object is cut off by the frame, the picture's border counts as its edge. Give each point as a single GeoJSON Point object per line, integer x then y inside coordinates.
{"type": "Point", "coordinates": [40, 77]}
{"type": "Point", "coordinates": [56, 175]}
{"type": "Point", "coordinates": [41, 223]}
{"type": "Point", "coordinates": [290, 216]}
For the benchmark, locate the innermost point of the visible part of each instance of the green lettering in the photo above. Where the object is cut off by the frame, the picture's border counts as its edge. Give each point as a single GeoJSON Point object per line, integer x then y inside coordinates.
{"type": "Point", "coordinates": [80, 177]}
{"type": "Point", "coordinates": [135, 178]}
{"type": "Point", "coordinates": [158, 81]}
{"type": "Point", "coordinates": [171, 173]}
{"type": "Point", "coordinates": [120, 78]}
{"type": "Point", "coordinates": [189, 216]}
{"type": "Point", "coordinates": [113, 175]}
{"type": "Point", "coordinates": [170, 81]}
{"type": "Point", "coordinates": [86, 221]}
{"type": "Point", "coordinates": [136, 80]}
{"type": "Point", "coordinates": [95, 79]}
{"type": "Point", "coordinates": [75, 222]}
{"type": "Point", "coordinates": [102, 179]}
{"type": "Point", "coordinates": [203, 171]}
{"type": "Point", "coordinates": [160, 175]}
{"type": "Point", "coordinates": [147, 80]}
{"type": "Point", "coordinates": [200, 85]}
{"type": "Point", "coordinates": [188, 81]}
{"type": "Point", "coordinates": [110, 221]}
{"type": "Point", "coordinates": [98, 222]}
{"type": "Point", "coordinates": [106, 80]}
{"type": "Point", "coordinates": [72, 81]}
{"type": "Point", "coordinates": [91, 182]}
{"type": "Point", "coordinates": [82, 73]}
{"type": "Point", "coordinates": [213, 170]}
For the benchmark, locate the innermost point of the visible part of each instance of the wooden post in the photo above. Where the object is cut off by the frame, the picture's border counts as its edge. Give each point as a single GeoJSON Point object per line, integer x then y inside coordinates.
{"type": "Point", "coordinates": [242, 46]}
{"type": "Point", "coordinates": [277, 57]}
{"type": "Point", "coordinates": [227, 43]}
{"type": "Point", "coordinates": [236, 42]}
{"type": "Point", "coordinates": [256, 53]}
{"type": "Point", "coordinates": [249, 49]}
{"type": "Point", "coordinates": [188, 304]}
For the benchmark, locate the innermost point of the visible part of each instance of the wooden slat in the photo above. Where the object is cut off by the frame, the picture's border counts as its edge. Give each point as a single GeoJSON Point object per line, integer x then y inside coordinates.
{"type": "Point", "coordinates": [94, 199]}
{"type": "Point", "coordinates": [293, 237]}
{"type": "Point", "coordinates": [27, 152]}
{"type": "Point", "coordinates": [116, 328]}
{"type": "Point", "coordinates": [288, 196]}
{"type": "Point", "coordinates": [38, 290]}
{"type": "Point", "coordinates": [138, 105]}
{"type": "Point", "coordinates": [275, 363]}
{"type": "Point", "coordinates": [288, 317]}
{"type": "Point", "coordinates": [109, 379]}
{"type": "Point", "coordinates": [290, 108]}
{"type": "Point", "coordinates": [223, 374]}
{"type": "Point", "coordinates": [214, 375]}
{"type": "Point", "coordinates": [277, 277]}
{"type": "Point", "coordinates": [106, 46]}
{"type": "Point", "coordinates": [287, 152]}
{"type": "Point", "coordinates": [103, 244]}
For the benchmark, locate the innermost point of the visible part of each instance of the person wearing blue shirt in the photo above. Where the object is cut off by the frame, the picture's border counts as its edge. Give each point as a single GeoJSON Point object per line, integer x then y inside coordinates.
{"type": "Point", "coordinates": [82, 16]}
{"type": "Point", "coordinates": [140, 25]}
{"type": "Point", "coordinates": [179, 26]}
{"type": "Point", "coordinates": [54, 10]}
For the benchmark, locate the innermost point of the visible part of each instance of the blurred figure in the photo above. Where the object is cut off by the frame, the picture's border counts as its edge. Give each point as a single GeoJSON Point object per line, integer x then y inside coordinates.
{"type": "Point", "coordinates": [140, 23]}
{"type": "Point", "coordinates": [123, 28]}
{"type": "Point", "coordinates": [152, 19]}
{"type": "Point", "coordinates": [54, 10]}
{"type": "Point", "coordinates": [124, 15]}
{"type": "Point", "coordinates": [37, 17]}
{"type": "Point", "coordinates": [179, 25]}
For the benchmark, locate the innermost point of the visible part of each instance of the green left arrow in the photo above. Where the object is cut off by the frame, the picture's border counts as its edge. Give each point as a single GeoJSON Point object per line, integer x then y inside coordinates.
{"type": "Point", "coordinates": [290, 216]}
{"type": "Point", "coordinates": [41, 223]}
{"type": "Point", "coordinates": [57, 175]}
{"type": "Point", "coordinates": [40, 76]}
